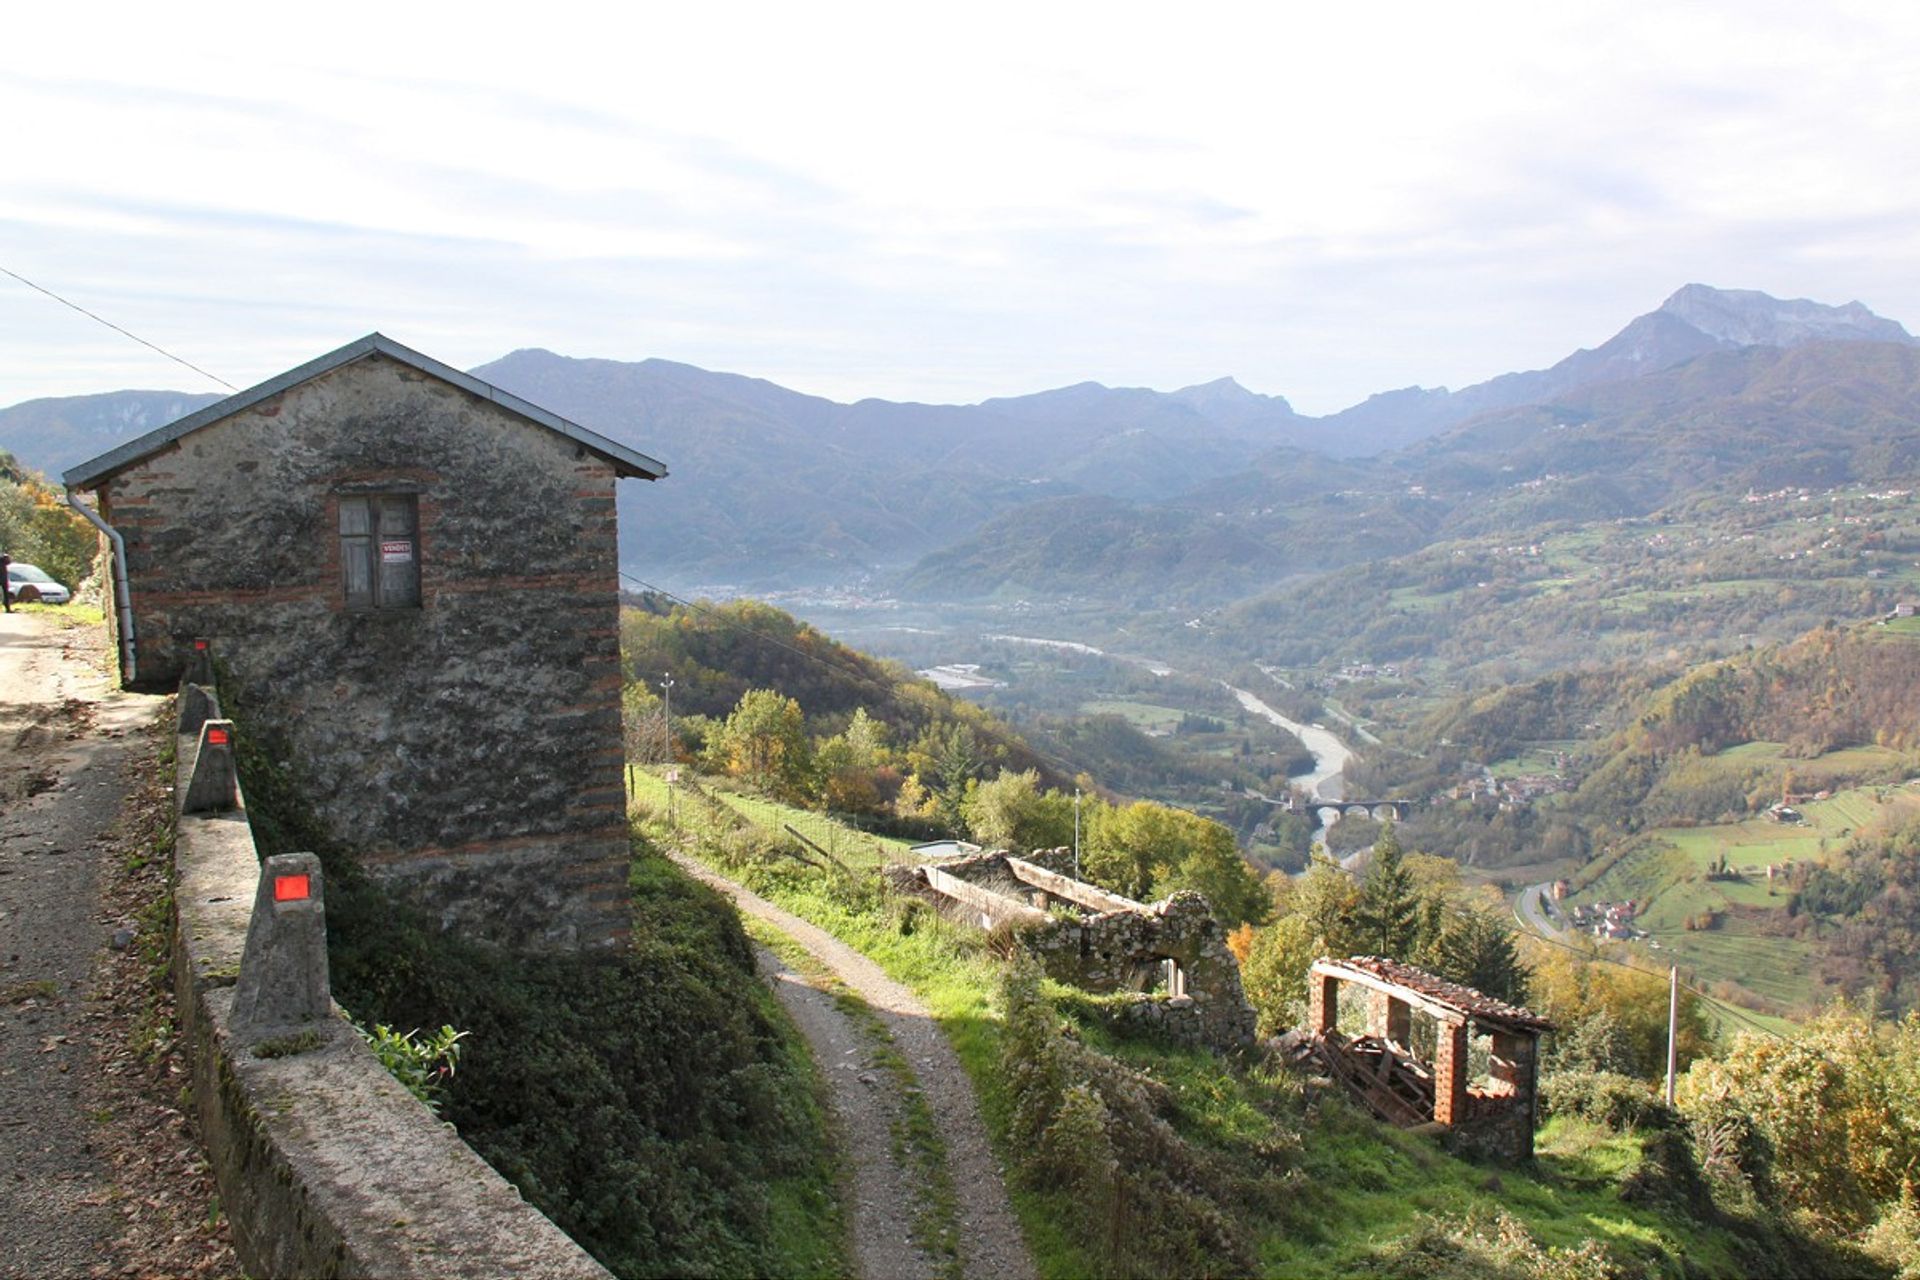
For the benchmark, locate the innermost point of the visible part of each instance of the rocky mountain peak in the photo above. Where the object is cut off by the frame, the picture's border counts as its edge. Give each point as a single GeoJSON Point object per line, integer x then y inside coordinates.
{"type": "Point", "coordinates": [1747, 317]}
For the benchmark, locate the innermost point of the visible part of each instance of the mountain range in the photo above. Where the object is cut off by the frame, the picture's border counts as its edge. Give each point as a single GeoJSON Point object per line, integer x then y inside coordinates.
{"type": "Point", "coordinates": [1211, 485]}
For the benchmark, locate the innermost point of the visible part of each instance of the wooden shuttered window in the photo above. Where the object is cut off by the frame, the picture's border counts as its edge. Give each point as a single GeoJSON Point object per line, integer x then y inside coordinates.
{"type": "Point", "coordinates": [380, 551]}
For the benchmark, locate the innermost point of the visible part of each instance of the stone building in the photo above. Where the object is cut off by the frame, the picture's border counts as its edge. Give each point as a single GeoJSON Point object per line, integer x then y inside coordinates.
{"type": "Point", "coordinates": [409, 579]}
{"type": "Point", "coordinates": [1172, 956]}
{"type": "Point", "coordinates": [1381, 1070]}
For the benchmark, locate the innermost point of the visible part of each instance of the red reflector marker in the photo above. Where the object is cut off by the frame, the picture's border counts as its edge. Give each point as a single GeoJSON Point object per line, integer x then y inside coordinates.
{"type": "Point", "coordinates": [292, 888]}
{"type": "Point", "coordinates": [216, 737]}
{"type": "Point", "coordinates": [199, 644]}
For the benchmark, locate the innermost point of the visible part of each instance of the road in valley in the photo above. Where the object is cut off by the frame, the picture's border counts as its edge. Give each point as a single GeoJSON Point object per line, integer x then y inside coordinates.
{"type": "Point", "coordinates": [1532, 909]}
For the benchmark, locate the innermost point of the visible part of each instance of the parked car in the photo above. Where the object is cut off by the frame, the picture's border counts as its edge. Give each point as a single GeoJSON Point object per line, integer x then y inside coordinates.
{"type": "Point", "coordinates": [29, 583]}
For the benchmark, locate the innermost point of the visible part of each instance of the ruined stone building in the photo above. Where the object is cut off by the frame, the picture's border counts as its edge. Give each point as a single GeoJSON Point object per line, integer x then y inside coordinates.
{"type": "Point", "coordinates": [409, 579]}
{"type": "Point", "coordinates": [1172, 955]}
{"type": "Point", "coordinates": [1381, 1070]}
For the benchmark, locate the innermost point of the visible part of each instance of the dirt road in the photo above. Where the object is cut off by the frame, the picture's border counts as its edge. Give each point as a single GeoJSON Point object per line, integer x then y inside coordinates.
{"type": "Point", "coordinates": [990, 1244]}
{"type": "Point", "coordinates": [96, 1176]}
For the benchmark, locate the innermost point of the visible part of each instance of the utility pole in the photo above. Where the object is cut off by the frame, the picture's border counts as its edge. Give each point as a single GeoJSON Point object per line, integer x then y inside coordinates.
{"type": "Point", "coordinates": [1076, 833]}
{"type": "Point", "coordinates": [666, 684]}
{"type": "Point", "coordinates": [1673, 1027]}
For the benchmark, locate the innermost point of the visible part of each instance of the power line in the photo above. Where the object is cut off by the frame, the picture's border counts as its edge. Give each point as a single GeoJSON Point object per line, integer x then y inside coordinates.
{"type": "Point", "coordinates": [850, 673]}
{"type": "Point", "coordinates": [1592, 957]}
{"type": "Point", "coordinates": [863, 678]}
{"type": "Point", "coordinates": [117, 329]}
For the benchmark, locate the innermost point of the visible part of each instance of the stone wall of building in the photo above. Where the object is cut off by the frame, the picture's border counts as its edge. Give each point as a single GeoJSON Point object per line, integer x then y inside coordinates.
{"type": "Point", "coordinates": [1105, 951]}
{"type": "Point", "coordinates": [1114, 950]}
{"type": "Point", "coordinates": [467, 750]}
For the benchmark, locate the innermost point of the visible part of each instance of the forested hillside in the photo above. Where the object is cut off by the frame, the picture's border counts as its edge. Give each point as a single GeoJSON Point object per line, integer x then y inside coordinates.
{"type": "Point", "coordinates": [717, 654]}
{"type": "Point", "coordinates": [1831, 690]}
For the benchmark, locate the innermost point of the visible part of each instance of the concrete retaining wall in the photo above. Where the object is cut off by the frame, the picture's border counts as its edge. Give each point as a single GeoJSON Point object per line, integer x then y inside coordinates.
{"type": "Point", "coordinates": [326, 1165]}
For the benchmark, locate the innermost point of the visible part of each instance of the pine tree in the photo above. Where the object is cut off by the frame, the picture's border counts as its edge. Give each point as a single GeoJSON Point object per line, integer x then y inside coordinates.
{"type": "Point", "coordinates": [1387, 919]}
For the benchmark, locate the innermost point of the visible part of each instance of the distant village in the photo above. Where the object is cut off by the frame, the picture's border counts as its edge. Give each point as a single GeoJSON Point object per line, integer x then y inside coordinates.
{"type": "Point", "coordinates": [1479, 784]}
{"type": "Point", "coordinates": [1607, 921]}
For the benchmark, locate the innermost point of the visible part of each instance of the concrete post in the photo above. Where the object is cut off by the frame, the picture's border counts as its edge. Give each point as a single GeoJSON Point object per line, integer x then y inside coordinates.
{"type": "Point", "coordinates": [198, 704]}
{"type": "Point", "coordinates": [200, 662]}
{"type": "Point", "coordinates": [1450, 1074]}
{"type": "Point", "coordinates": [215, 785]}
{"type": "Point", "coordinates": [283, 970]}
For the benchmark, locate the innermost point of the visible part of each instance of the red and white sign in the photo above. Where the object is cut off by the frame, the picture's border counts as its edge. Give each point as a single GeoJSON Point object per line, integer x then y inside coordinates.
{"type": "Point", "coordinates": [396, 552]}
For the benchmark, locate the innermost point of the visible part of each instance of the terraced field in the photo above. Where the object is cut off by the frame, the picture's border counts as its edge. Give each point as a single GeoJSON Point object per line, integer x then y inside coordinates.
{"type": "Point", "coordinates": [1734, 932]}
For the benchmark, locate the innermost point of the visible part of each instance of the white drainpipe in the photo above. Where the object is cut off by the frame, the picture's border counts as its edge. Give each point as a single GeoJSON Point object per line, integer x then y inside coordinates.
{"type": "Point", "coordinates": [122, 596]}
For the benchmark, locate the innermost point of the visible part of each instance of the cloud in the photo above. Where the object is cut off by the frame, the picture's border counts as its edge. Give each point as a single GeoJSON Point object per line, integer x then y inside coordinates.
{"type": "Point", "coordinates": [879, 199]}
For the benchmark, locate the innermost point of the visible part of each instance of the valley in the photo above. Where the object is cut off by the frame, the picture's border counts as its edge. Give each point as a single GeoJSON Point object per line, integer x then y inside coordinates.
{"type": "Point", "coordinates": [1628, 648]}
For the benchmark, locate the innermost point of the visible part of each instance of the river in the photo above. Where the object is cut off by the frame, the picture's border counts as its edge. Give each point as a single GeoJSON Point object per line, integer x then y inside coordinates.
{"type": "Point", "coordinates": [1330, 755]}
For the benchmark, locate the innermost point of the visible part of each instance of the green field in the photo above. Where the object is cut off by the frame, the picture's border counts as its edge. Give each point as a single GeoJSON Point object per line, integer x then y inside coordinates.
{"type": "Point", "coordinates": [847, 843]}
{"type": "Point", "coordinates": [1743, 949]}
{"type": "Point", "coordinates": [1846, 764]}
{"type": "Point", "coordinates": [1147, 717]}
{"type": "Point", "coordinates": [1536, 759]}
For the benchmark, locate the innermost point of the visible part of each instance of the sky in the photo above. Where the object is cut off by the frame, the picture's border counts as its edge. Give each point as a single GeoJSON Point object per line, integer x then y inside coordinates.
{"type": "Point", "coordinates": [939, 202]}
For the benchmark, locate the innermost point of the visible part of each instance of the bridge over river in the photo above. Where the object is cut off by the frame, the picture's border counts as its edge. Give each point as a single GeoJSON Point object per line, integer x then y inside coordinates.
{"type": "Point", "coordinates": [1378, 810]}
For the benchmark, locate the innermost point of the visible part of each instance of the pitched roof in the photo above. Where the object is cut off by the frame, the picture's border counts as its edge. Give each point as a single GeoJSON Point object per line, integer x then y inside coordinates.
{"type": "Point", "coordinates": [1379, 973]}
{"type": "Point", "coordinates": [626, 462]}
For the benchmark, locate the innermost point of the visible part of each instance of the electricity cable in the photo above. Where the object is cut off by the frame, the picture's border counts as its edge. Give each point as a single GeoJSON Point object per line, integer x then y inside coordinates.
{"type": "Point", "coordinates": [1066, 767]}
{"type": "Point", "coordinates": [117, 329]}
{"type": "Point", "coordinates": [863, 678]}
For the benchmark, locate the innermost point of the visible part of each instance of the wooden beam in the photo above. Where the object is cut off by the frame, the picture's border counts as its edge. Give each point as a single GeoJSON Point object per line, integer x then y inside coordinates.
{"type": "Point", "coordinates": [1078, 892]}
{"type": "Point", "coordinates": [1443, 1012]}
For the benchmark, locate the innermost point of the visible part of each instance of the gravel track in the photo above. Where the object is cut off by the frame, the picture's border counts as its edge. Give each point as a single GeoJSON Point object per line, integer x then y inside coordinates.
{"type": "Point", "coordinates": [865, 1109]}
{"type": "Point", "coordinates": [991, 1247]}
{"type": "Point", "coordinates": [98, 1172]}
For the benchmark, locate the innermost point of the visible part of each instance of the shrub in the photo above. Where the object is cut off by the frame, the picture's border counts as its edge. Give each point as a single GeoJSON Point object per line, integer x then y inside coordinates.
{"type": "Point", "coordinates": [423, 1065]}
{"type": "Point", "coordinates": [1613, 1101]}
{"type": "Point", "coordinates": [1734, 1152]}
{"type": "Point", "coordinates": [1895, 1238]}
{"type": "Point", "coordinates": [1667, 1176]}
{"type": "Point", "coordinates": [1494, 1246]}
{"type": "Point", "coordinates": [1139, 1198]}
{"type": "Point", "coordinates": [1838, 1105]}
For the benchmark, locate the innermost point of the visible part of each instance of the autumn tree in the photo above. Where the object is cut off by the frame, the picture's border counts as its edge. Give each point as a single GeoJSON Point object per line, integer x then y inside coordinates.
{"type": "Point", "coordinates": [37, 527]}
{"type": "Point", "coordinates": [1148, 851]}
{"type": "Point", "coordinates": [1572, 987]}
{"type": "Point", "coordinates": [765, 741]}
{"type": "Point", "coordinates": [846, 763]}
{"type": "Point", "coordinates": [1316, 915]}
{"type": "Point", "coordinates": [1013, 812]}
